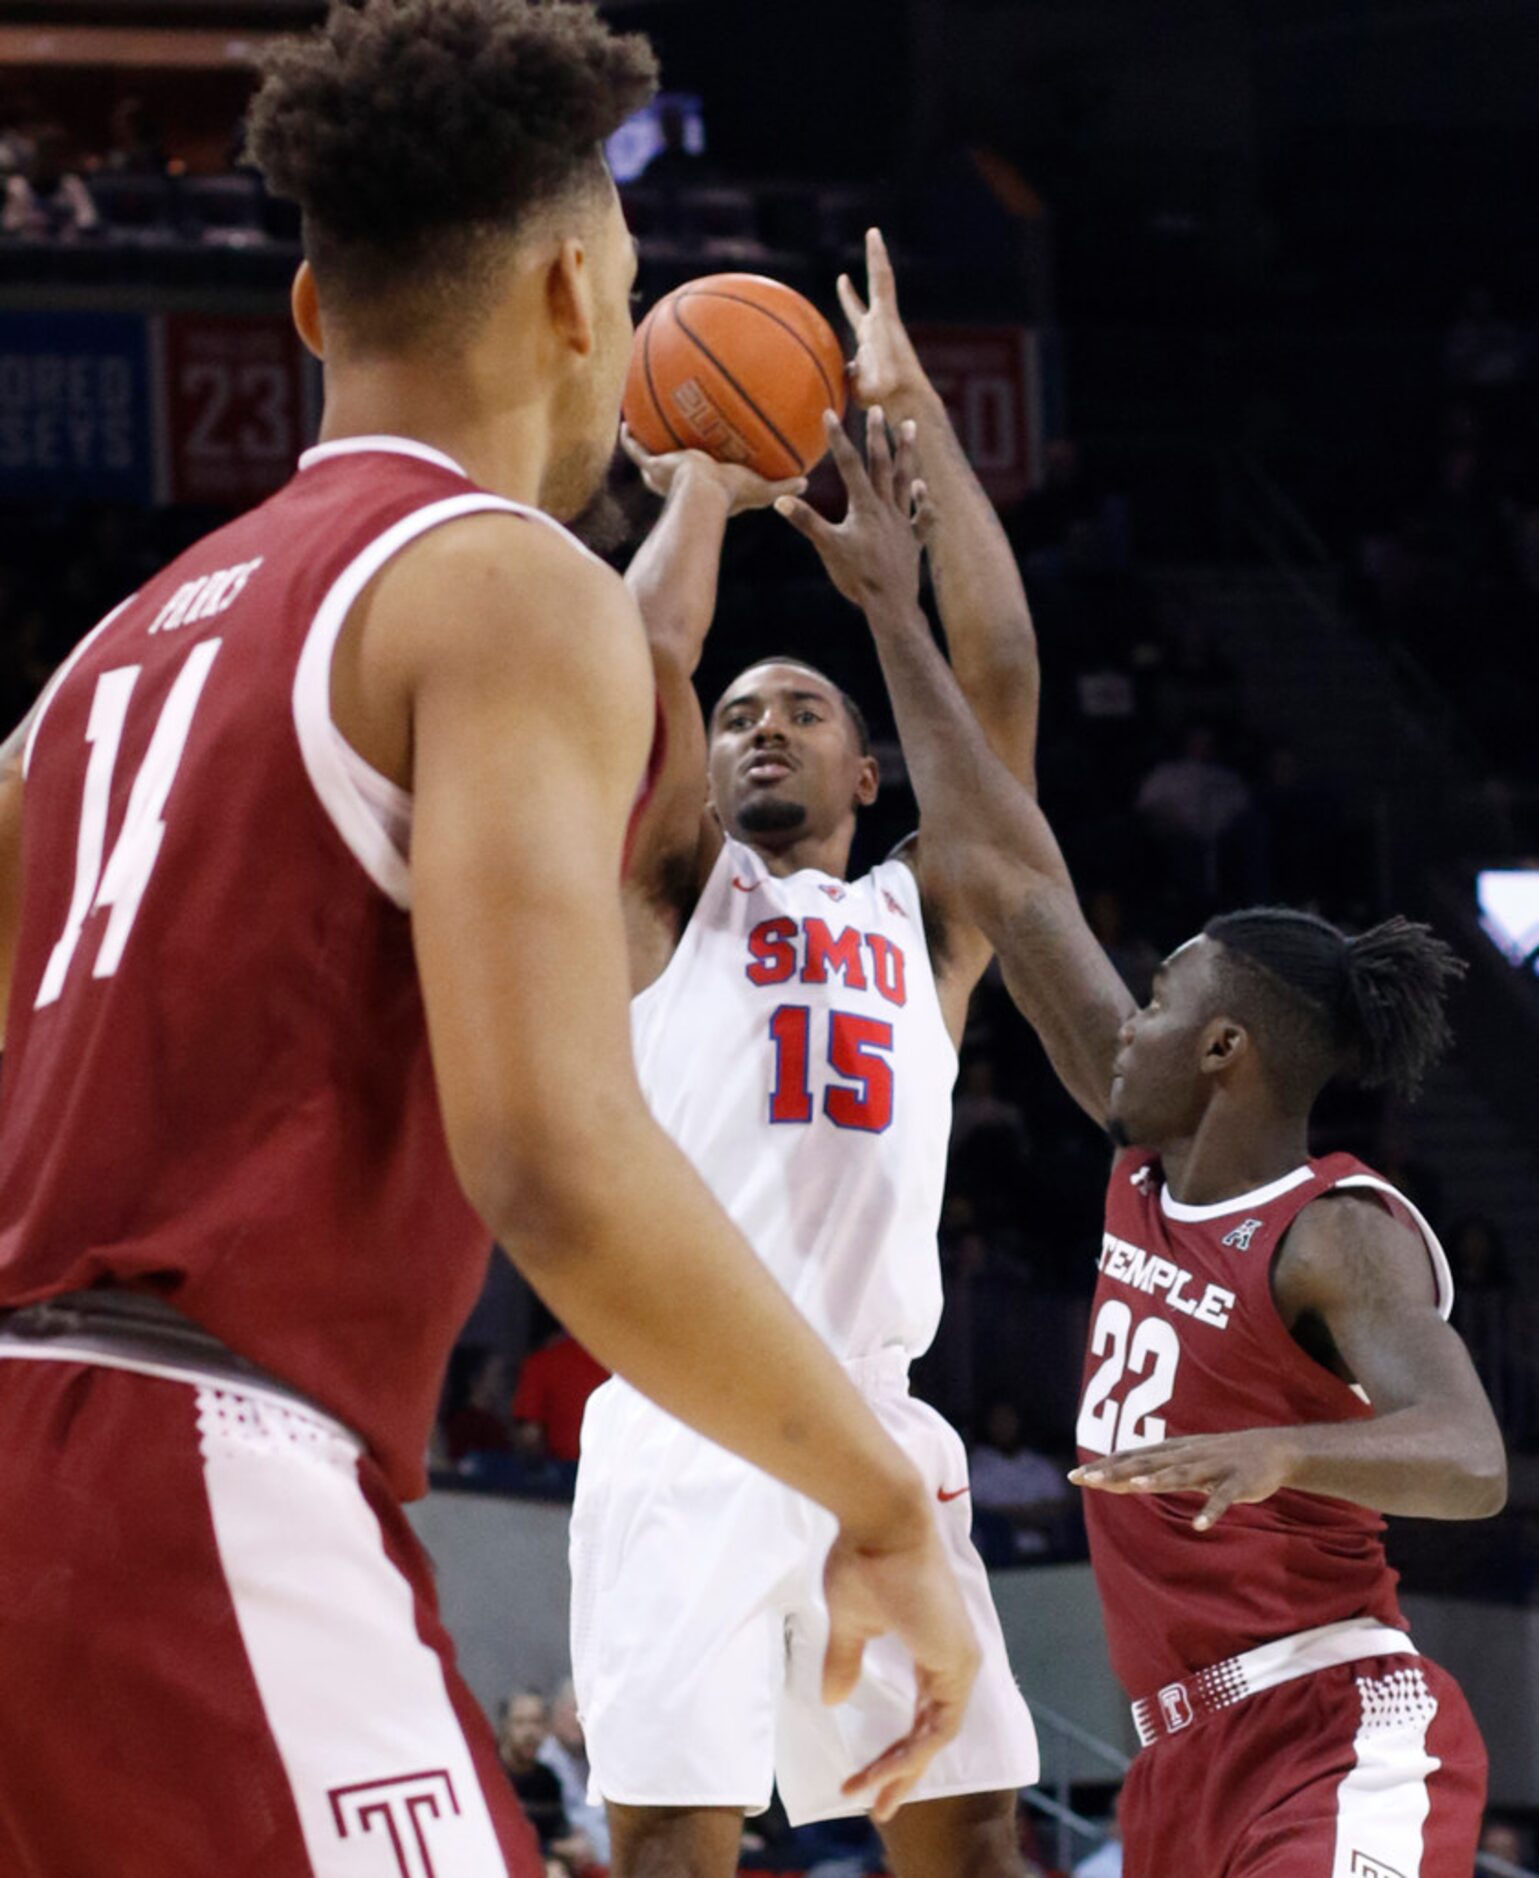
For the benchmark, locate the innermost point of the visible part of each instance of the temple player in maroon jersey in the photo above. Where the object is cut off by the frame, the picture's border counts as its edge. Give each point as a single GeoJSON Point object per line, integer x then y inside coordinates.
{"type": "Point", "coordinates": [310, 923]}
{"type": "Point", "coordinates": [1270, 1365]}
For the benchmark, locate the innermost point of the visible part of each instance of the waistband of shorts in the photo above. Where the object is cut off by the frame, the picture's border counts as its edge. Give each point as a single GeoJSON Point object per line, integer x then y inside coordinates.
{"type": "Point", "coordinates": [1179, 1705]}
{"type": "Point", "coordinates": [884, 1372]}
{"type": "Point", "coordinates": [128, 1330]}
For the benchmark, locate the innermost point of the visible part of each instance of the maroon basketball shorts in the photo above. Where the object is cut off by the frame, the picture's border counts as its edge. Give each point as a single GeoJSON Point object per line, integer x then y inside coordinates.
{"type": "Point", "coordinates": [1367, 1769]}
{"type": "Point", "coordinates": [219, 1651]}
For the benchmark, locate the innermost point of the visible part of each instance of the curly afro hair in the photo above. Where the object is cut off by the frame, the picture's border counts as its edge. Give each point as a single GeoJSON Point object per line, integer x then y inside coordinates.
{"type": "Point", "coordinates": [408, 130]}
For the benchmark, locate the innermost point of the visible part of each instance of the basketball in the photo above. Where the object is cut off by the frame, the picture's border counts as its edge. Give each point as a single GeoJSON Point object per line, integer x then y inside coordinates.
{"type": "Point", "coordinates": [740, 367]}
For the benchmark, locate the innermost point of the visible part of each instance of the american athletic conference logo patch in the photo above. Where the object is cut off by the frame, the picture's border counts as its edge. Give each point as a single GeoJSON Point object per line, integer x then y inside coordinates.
{"type": "Point", "coordinates": [1242, 1235]}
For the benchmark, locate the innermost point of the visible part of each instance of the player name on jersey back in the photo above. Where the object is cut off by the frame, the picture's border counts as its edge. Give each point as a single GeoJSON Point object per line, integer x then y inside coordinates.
{"type": "Point", "coordinates": [216, 1083]}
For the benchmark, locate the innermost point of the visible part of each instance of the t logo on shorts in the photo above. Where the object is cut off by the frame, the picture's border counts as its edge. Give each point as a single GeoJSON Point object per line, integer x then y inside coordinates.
{"type": "Point", "coordinates": [1175, 1707]}
{"type": "Point", "coordinates": [401, 1808]}
{"type": "Point", "coordinates": [1365, 1867]}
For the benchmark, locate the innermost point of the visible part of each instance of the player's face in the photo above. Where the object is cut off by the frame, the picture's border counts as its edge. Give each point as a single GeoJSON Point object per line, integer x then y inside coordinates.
{"type": "Point", "coordinates": [785, 761]}
{"type": "Point", "coordinates": [1158, 1090]}
{"type": "Point", "coordinates": [589, 415]}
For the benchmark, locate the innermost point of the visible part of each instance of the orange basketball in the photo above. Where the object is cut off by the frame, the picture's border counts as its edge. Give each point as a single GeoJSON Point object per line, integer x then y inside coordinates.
{"type": "Point", "coordinates": [740, 367]}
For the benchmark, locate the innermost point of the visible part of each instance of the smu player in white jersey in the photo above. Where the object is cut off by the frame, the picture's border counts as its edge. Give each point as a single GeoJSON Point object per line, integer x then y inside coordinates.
{"type": "Point", "coordinates": [796, 1034]}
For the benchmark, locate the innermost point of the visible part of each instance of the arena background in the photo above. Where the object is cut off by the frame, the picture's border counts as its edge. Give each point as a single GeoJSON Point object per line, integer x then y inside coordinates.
{"type": "Point", "coordinates": [1235, 303]}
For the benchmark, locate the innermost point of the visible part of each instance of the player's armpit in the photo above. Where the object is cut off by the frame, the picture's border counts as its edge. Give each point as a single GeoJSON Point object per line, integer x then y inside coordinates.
{"type": "Point", "coordinates": [1433, 1449]}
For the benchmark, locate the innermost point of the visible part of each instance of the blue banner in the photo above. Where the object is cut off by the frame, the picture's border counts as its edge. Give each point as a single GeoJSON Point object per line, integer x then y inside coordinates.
{"type": "Point", "coordinates": [75, 406]}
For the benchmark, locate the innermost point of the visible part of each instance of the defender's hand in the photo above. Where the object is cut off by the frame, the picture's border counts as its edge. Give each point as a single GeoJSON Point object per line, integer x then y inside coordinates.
{"type": "Point", "coordinates": [911, 1592]}
{"type": "Point", "coordinates": [743, 488]}
{"type": "Point", "coordinates": [874, 553]}
{"type": "Point", "coordinates": [886, 366]}
{"type": "Point", "coordinates": [1229, 1470]}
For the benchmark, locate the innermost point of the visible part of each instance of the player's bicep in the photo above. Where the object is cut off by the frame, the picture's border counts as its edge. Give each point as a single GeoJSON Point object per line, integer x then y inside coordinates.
{"type": "Point", "coordinates": [1368, 1278]}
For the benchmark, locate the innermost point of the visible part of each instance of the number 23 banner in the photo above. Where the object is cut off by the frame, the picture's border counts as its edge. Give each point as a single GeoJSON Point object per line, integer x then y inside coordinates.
{"type": "Point", "coordinates": [210, 408]}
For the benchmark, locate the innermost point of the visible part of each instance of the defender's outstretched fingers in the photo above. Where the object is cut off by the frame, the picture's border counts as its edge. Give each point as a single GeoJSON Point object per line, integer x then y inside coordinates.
{"type": "Point", "coordinates": [879, 452]}
{"type": "Point", "coordinates": [904, 463]}
{"type": "Point", "coordinates": [846, 457]}
{"type": "Point", "coordinates": [806, 521]}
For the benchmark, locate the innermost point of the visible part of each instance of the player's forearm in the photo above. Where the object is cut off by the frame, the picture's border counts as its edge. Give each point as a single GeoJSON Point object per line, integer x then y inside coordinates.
{"type": "Point", "coordinates": [1419, 1462]}
{"type": "Point", "coordinates": [628, 1248]}
{"type": "Point", "coordinates": [674, 574]}
{"type": "Point", "coordinates": [978, 587]}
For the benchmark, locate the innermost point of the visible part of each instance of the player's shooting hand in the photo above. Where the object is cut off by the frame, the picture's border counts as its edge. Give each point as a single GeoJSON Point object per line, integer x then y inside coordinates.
{"type": "Point", "coordinates": [911, 1592]}
{"type": "Point", "coordinates": [743, 487]}
{"type": "Point", "coordinates": [886, 367]}
{"type": "Point", "coordinates": [1228, 1470]}
{"type": "Point", "coordinates": [873, 555]}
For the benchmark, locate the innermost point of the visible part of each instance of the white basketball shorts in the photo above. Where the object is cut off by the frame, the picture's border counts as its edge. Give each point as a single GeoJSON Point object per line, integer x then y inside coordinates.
{"type": "Point", "coordinates": [699, 1627]}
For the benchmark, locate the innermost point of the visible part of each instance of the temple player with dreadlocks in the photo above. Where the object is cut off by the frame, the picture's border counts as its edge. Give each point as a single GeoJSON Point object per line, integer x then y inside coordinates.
{"type": "Point", "coordinates": [1270, 1365]}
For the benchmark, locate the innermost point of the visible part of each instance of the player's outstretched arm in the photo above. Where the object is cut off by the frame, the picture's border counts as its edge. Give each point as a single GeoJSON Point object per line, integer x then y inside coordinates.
{"type": "Point", "coordinates": [978, 587]}
{"type": "Point", "coordinates": [988, 848]}
{"type": "Point", "coordinates": [531, 713]}
{"type": "Point", "coordinates": [1432, 1450]}
{"type": "Point", "coordinates": [673, 579]}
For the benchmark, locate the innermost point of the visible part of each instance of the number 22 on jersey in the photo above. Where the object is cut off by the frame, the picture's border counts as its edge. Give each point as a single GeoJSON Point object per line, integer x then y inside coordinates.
{"type": "Point", "coordinates": [1109, 1417]}
{"type": "Point", "coordinates": [118, 887]}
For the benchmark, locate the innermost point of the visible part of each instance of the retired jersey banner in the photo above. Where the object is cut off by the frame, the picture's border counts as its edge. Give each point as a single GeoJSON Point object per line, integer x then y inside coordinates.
{"type": "Point", "coordinates": [75, 406]}
{"type": "Point", "coordinates": [235, 406]}
{"type": "Point", "coordinates": [991, 380]}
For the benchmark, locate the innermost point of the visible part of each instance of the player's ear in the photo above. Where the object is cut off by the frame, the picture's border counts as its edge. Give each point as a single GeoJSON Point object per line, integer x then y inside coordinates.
{"type": "Point", "coordinates": [868, 782]}
{"type": "Point", "coordinates": [305, 305]}
{"type": "Point", "coordinates": [1224, 1044]}
{"type": "Point", "coordinates": [569, 296]}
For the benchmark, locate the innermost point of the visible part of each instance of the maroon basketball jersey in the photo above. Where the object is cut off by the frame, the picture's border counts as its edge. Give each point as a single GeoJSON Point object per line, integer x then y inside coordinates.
{"type": "Point", "coordinates": [1186, 1339]}
{"type": "Point", "coordinates": [216, 1080]}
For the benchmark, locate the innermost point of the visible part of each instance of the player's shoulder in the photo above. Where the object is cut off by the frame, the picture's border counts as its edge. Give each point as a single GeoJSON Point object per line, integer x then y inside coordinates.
{"type": "Point", "coordinates": [1346, 1243]}
{"type": "Point", "coordinates": [501, 586]}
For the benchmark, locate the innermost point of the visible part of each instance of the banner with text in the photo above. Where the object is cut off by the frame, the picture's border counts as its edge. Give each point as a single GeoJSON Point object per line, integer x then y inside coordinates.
{"type": "Point", "coordinates": [76, 406]}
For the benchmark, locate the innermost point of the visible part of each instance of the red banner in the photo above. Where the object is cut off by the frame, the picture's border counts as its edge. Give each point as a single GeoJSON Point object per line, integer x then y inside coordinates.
{"type": "Point", "coordinates": [234, 406]}
{"type": "Point", "coordinates": [990, 379]}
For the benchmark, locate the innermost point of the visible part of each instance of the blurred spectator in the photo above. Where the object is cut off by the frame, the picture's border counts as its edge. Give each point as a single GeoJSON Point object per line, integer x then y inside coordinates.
{"type": "Point", "coordinates": [1501, 1839]}
{"type": "Point", "coordinates": [134, 146]}
{"type": "Point", "coordinates": [1135, 958]}
{"type": "Point", "coordinates": [16, 116]}
{"type": "Point", "coordinates": [675, 164]}
{"type": "Point", "coordinates": [1194, 804]}
{"type": "Point", "coordinates": [1022, 1488]}
{"type": "Point", "coordinates": [1106, 1860]}
{"type": "Point", "coordinates": [479, 1425]}
{"type": "Point", "coordinates": [1478, 1256]}
{"type": "Point", "coordinates": [520, 1732]}
{"type": "Point", "coordinates": [47, 198]}
{"type": "Point", "coordinates": [565, 1752]}
{"type": "Point", "coordinates": [553, 1390]}
{"type": "Point", "coordinates": [1482, 349]}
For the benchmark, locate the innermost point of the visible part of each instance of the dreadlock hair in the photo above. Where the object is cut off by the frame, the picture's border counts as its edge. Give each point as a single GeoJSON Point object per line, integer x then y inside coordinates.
{"type": "Point", "coordinates": [411, 131]}
{"type": "Point", "coordinates": [1322, 1004]}
{"type": "Point", "coordinates": [852, 710]}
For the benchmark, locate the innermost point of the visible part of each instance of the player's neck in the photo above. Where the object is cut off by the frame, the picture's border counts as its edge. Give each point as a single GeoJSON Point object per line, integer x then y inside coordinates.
{"type": "Point", "coordinates": [828, 854]}
{"type": "Point", "coordinates": [503, 448]}
{"type": "Point", "coordinates": [1233, 1152]}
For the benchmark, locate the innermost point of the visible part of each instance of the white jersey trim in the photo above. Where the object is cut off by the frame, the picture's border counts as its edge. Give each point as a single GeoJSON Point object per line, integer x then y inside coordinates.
{"type": "Point", "coordinates": [382, 444]}
{"type": "Point", "coordinates": [1383, 1802]}
{"type": "Point", "coordinates": [369, 811]}
{"type": "Point", "coordinates": [1441, 1270]}
{"type": "Point", "coordinates": [382, 1777]}
{"type": "Point", "coordinates": [1241, 1203]}
{"type": "Point", "coordinates": [51, 689]}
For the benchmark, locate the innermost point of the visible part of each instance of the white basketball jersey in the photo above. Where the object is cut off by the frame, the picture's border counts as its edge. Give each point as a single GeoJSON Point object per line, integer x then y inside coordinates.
{"type": "Point", "coordinates": [796, 1051]}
